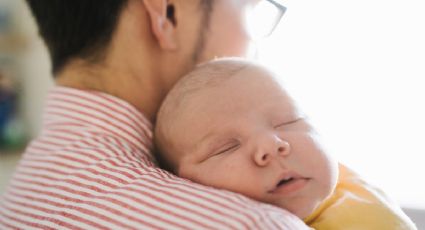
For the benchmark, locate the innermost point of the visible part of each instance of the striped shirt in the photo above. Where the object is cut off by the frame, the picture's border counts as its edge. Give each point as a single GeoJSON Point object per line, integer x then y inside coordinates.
{"type": "Point", "coordinates": [91, 168]}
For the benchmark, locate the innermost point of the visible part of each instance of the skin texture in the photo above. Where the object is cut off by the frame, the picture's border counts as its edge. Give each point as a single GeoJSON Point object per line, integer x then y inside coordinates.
{"type": "Point", "coordinates": [149, 52]}
{"type": "Point", "coordinates": [246, 135]}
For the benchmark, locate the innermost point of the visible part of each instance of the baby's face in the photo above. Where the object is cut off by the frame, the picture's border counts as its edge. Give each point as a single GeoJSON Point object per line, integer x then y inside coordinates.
{"type": "Point", "coordinates": [247, 136]}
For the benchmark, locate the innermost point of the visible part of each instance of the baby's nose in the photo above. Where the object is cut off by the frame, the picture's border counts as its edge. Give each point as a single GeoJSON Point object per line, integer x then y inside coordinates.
{"type": "Point", "coordinates": [269, 148]}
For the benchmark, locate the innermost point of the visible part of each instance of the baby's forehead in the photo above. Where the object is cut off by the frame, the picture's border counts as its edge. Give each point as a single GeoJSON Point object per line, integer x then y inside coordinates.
{"type": "Point", "coordinates": [226, 81]}
{"type": "Point", "coordinates": [226, 72]}
{"type": "Point", "coordinates": [218, 79]}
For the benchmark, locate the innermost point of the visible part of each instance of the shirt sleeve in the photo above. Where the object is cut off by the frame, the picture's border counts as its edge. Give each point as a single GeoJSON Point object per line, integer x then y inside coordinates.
{"type": "Point", "coordinates": [116, 193]}
{"type": "Point", "coordinates": [177, 202]}
{"type": "Point", "coordinates": [355, 204]}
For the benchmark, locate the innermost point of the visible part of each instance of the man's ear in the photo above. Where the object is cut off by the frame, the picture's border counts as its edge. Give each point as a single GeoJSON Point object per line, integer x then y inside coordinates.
{"type": "Point", "coordinates": [163, 27]}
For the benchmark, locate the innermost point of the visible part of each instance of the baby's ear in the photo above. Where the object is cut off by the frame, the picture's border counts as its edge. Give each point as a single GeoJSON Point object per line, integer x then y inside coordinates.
{"type": "Point", "coordinates": [163, 23]}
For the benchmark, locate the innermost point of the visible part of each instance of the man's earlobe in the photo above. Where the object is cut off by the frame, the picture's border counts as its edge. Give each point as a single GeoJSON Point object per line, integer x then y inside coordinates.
{"type": "Point", "coordinates": [162, 22]}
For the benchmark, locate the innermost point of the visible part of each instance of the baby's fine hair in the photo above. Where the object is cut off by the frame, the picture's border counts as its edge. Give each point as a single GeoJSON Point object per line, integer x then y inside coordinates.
{"type": "Point", "coordinates": [209, 74]}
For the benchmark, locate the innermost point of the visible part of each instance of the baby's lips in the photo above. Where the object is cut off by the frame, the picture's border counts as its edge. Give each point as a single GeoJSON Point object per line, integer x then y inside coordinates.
{"type": "Point", "coordinates": [284, 178]}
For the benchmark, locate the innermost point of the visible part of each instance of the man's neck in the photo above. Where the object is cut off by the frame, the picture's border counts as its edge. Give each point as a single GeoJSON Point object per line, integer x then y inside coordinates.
{"type": "Point", "coordinates": [140, 90]}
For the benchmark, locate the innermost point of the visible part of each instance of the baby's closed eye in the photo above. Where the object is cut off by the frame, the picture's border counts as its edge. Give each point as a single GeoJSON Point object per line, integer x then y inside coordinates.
{"type": "Point", "coordinates": [226, 147]}
{"type": "Point", "coordinates": [290, 122]}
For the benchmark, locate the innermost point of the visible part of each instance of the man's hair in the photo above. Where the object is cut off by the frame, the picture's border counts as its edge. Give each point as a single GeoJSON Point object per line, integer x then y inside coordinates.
{"type": "Point", "coordinates": [79, 28]}
{"type": "Point", "coordinates": [76, 28]}
{"type": "Point", "coordinates": [209, 74]}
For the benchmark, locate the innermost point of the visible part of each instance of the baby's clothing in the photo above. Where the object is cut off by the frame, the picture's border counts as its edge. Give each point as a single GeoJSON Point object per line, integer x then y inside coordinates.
{"type": "Point", "coordinates": [356, 205]}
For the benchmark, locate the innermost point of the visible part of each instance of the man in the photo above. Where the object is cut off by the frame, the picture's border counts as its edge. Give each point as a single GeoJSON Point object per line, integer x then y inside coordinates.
{"type": "Point", "coordinates": [113, 62]}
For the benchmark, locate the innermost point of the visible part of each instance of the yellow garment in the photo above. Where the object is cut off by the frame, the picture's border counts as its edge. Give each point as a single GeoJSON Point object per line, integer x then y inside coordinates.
{"type": "Point", "coordinates": [356, 205]}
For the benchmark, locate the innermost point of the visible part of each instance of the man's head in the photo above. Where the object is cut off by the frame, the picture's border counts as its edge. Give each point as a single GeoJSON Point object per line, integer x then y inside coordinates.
{"type": "Point", "coordinates": [138, 49]}
{"type": "Point", "coordinates": [84, 28]}
{"type": "Point", "coordinates": [78, 28]}
{"type": "Point", "coordinates": [229, 124]}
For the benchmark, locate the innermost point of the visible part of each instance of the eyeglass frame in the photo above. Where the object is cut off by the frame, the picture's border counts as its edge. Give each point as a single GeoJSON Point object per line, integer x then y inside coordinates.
{"type": "Point", "coordinates": [282, 9]}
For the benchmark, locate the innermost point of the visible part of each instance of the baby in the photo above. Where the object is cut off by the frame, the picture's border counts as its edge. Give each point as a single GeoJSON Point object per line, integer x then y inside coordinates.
{"type": "Point", "coordinates": [229, 124]}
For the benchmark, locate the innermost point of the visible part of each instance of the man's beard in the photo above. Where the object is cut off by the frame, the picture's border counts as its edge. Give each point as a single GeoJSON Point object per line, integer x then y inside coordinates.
{"type": "Point", "coordinates": [207, 8]}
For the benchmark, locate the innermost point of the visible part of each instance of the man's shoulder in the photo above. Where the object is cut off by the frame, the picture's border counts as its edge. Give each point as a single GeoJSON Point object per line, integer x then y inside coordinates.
{"type": "Point", "coordinates": [89, 184]}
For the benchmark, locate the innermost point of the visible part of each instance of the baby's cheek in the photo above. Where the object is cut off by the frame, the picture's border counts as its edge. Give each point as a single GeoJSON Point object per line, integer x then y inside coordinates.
{"type": "Point", "coordinates": [328, 176]}
{"type": "Point", "coordinates": [234, 176]}
{"type": "Point", "coordinates": [320, 164]}
{"type": "Point", "coordinates": [220, 175]}
{"type": "Point", "coordinates": [195, 171]}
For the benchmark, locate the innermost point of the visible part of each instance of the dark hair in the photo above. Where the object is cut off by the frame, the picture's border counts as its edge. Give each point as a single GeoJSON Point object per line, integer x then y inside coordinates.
{"type": "Point", "coordinates": [76, 28]}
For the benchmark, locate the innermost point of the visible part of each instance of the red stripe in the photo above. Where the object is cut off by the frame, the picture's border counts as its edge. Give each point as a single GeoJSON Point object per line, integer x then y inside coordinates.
{"type": "Point", "coordinates": [51, 124]}
{"type": "Point", "coordinates": [122, 107]}
{"type": "Point", "coordinates": [140, 173]}
{"type": "Point", "coordinates": [69, 150]}
{"type": "Point", "coordinates": [142, 192]}
{"type": "Point", "coordinates": [111, 121]}
{"type": "Point", "coordinates": [82, 176]}
{"type": "Point", "coordinates": [152, 188]}
{"type": "Point", "coordinates": [39, 148]}
{"type": "Point", "coordinates": [189, 187]}
{"type": "Point", "coordinates": [70, 200]}
{"type": "Point", "coordinates": [142, 119]}
{"type": "Point", "coordinates": [136, 117]}
{"type": "Point", "coordinates": [104, 109]}
{"type": "Point", "coordinates": [54, 171]}
{"type": "Point", "coordinates": [117, 146]}
{"type": "Point", "coordinates": [59, 137]}
{"type": "Point", "coordinates": [55, 163]}
{"type": "Point", "coordinates": [103, 126]}
{"type": "Point", "coordinates": [70, 216]}
{"type": "Point", "coordinates": [81, 140]}
{"type": "Point", "coordinates": [74, 149]}
{"type": "Point", "coordinates": [3, 224]}
{"type": "Point", "coordinates": [133, 144]}
{"type": "Point", "coordinates": [153, 172]}
{"type": "Point", "coordinates": [61, 213]}
{"type": "Point", "coordinates": [121, 181]}
{"type": "Point", "coordinates": [187, 201]}
{"type": "Point", "coordinates": [31, 224]}
{"type": "Point", "coordinates": [98, 138]}
{"type": "Point", "coordinates": [62, 155]}
{"type": "Point", "coordinates": [37, 217]}
{"type": "Point", "coordinates": [133, 156]}
{"type": "Point", "coordinates": [153, 182]}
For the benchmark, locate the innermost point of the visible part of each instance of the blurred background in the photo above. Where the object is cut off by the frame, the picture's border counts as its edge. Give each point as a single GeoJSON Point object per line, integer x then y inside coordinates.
{"type": "Point", "coordinates": [356, 67]}
{"type": "Point", "coordinates": [24, 82]}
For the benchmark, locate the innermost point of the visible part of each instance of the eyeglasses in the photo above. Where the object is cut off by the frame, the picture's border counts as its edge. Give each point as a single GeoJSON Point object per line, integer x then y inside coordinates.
{"type": "Point", "coordinates": [263, 18]}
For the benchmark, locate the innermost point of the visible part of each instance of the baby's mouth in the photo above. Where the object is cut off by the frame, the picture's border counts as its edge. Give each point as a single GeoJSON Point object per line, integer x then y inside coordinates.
{"type": "Point", "coordinates": [289, 183]}
{"type": "Point", "coordinates": [284, 181]}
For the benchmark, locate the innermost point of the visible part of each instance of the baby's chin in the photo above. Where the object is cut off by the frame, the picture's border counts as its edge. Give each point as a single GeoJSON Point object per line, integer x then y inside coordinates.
{"type": "Point", "coordinates": [304, 212]}
{"type": "Point", "coordinates": [302, 208]}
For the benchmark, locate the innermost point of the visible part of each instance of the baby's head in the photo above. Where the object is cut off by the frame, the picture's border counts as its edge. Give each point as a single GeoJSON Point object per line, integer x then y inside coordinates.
{"type": "Point", "coordinates": [229, 124]}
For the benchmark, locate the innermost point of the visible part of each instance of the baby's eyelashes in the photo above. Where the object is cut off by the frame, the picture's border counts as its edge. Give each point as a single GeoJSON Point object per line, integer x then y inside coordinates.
{"type": "Point", "coordinates": [229, 147]}
{"type": "Point", "coordinates": [289, 122]}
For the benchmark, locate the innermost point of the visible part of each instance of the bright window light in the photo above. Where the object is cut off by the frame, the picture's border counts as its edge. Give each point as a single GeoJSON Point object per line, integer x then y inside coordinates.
{"type": "Point", "coordinates": [262, 18]}
{"type": "Point", "coordinates": [358, 70]}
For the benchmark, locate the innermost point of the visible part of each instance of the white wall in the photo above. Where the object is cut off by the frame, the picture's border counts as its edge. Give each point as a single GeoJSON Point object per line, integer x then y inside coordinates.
{"type": "Point", "coordinates": [35, 70]}
{"type": "Point", "coordinates": [358, 68]}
